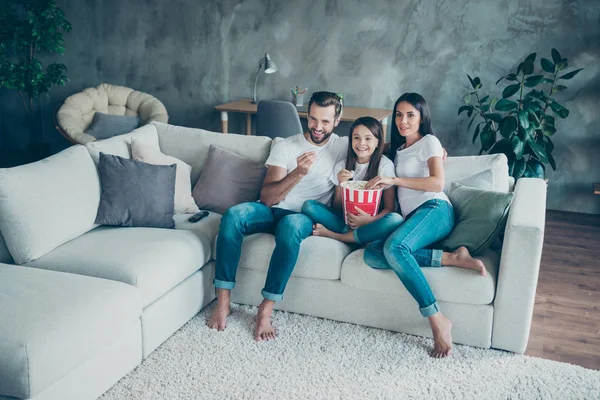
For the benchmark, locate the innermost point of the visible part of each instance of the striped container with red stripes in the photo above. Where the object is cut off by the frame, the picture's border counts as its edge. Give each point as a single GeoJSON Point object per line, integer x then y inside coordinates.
{"type": "Point", "coordinates": [366, 200]}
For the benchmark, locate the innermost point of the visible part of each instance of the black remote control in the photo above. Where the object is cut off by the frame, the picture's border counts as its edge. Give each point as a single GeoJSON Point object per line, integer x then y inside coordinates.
{"type": "Point", "coordinates": [198, 216]}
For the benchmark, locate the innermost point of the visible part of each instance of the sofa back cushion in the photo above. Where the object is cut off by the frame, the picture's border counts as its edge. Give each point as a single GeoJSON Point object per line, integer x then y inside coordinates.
{"type": "Point", "coordinates": [457, 168]}
{"type": "Point", "coordinates": [5, 256]}
{"type": "Point", "coordinates": [121, 145]}
{"type": "Point", "coordinates": [191, 145]}
{"type": "Point", "coordinates": [47, 203]}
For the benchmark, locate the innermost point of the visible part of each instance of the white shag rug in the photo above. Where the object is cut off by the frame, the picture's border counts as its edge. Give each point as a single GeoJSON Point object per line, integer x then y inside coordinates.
{"type": "Point", "coordinates": [313, 358]}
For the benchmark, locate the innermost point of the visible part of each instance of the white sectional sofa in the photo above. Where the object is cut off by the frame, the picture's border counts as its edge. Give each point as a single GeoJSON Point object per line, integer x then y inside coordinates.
{"type": "Point", "coordinates": [145, 283]}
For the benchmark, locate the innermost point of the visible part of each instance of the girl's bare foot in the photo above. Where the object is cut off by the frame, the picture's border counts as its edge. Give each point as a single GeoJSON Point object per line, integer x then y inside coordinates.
{"type": "Point", "coordinates": [442, 335]}
{"type": "Point", "coordinates": [264, 330]}
{"type": "Point", "coordinates": [462, 258]}
{"type": "Point", "coordinates": [218, 319]}
{"type": "Point", "coordinates": [320, 230]}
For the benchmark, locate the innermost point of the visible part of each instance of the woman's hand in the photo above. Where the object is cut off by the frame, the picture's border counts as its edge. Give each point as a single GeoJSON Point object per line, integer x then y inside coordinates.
{"type": "Point", "coordinates": [344, 175]}
{"type": "Point", "coordinates": [380, 183]}
{"type": "Point", "coordinates": [356, 221]}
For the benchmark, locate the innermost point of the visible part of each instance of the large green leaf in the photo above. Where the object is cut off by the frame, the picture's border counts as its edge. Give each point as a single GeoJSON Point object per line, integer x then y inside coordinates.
{"type": "Point", "coordinates": [570, 74]}
{"type": "Point", "coordinates": [562, 64]}
{"type": "Point", "coordinates": [476, 133]}
{"type": "Point", "coordinates": [467, 98]}
{"type": "Point", "coordinates": [507, 126]}
{"type": "Point", "coordinates": [523, 119]}
{"type": "Point", "coordinates": [559, 88]}
{"type": "Point", "coordinates": [488, 138]}
{"type": "Point", "coordinates": [534, 169]}
{"type": "Point", "coordinates": [559, 110]}
{"type": "Point", "coordinates": [471, 123]}
{"type": "Point", "coordinates": [524, 134]}
{"type": "Point", "coordinates": [511, 90]}
{"type": "Point", "coordinates": [475, 83]}
{"type": "Point", "coordinates": [509, 77]}
{"type": "Point", "coordinates": [517, 146]}
{"type": "Point", "coordinates": [533, 80]}
{"type": "Point", "coordinates": [528, 67]}
{"type": "Point", "coordinates": [494, 117]}
{"type": "Point", "coordinates": [548, 145]}
{"type": "Point", "coordinates": [531, 57]}
{"type": "Point", "coordinates": [548, 130]}
{"type": "Point", "coordinates": [539, 151]}
{"type": "Point", "coordinates": [552, 161]}
{"type": "Point", "coordinates": [505, 105]}
{"type": "Point", "coordinates": [547, 65]}
{"type": "Point", "coordinates": [556, 57]}
{"type": "Point", "coordinates": [464, 108]}
{"type": "Point", "coordinates": [519, 168]}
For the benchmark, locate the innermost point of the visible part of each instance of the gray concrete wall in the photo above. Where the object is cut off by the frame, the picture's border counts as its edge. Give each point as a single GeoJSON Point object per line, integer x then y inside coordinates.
{"type": "Point", "coordinates": [194, 55]}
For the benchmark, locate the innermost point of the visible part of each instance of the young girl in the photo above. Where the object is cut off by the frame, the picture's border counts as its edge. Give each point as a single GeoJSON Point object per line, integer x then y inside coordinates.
{"type": "Point", "coordinates": [365, 160]}
{"type": "Point", "coordinates": [429, 216]}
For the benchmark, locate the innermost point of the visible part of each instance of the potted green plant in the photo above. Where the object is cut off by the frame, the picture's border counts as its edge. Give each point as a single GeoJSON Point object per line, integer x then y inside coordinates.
{"type": "Point", "coordinates": [29, 28]}
{"type": "Point", "coordinates": [521, 127]}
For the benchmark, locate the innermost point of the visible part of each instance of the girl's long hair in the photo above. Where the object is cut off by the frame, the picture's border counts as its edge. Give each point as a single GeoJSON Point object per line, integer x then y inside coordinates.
{"type": "Point", "coordinates": [377, 130]}
{"type": "Point", "coordinates": [426, 128]}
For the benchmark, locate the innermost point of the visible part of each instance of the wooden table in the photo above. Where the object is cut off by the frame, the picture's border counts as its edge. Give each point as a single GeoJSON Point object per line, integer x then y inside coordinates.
{"type": "Point", "coordinates": [349, 113]}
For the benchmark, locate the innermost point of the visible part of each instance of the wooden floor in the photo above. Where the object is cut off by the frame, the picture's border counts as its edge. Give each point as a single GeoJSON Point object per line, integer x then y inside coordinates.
{"type": "Point", "coordinates": [566, 316]}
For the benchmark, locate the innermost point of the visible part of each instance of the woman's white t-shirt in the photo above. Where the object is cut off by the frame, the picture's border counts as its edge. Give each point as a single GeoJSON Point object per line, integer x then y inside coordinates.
{"type": "Point", "coordinates": [386, 169]}
{"type": "Point", "coordinates": [411, 162]}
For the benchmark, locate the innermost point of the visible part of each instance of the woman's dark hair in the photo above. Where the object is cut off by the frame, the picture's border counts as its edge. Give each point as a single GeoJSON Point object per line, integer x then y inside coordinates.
{"type": "Point", "coordinates": [377, 130]}
{"type": "Point", "coordinates": [418, 102]}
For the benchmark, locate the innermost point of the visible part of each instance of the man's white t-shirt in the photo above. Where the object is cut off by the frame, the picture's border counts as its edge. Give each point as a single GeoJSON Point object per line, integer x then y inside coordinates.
{"type": "Point", "coordinates": [412, 163]}
{"type": "Point", "coordinates": [386, 169]}
{"type": "Point", "coordinates": [316, 185]}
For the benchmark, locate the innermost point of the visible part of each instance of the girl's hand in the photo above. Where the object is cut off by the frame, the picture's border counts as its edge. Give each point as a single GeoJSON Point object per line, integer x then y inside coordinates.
{"type": "Point", "coordinates": [344, 175]}
{"type": "Point", "coordinates": [356, 221]}
{"type": "Point", "coordinates": [379, 183]}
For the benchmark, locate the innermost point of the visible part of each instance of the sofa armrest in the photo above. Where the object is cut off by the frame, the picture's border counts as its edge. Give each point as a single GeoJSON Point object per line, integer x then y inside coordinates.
{"type": "Point", "coordinates": [519, 266]}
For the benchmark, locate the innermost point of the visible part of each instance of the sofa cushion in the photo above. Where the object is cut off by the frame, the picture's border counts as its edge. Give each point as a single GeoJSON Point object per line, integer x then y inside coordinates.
{"type": "Point", "coordinates": [105, 126]}
{"type": "Point", "coordinates": [257, 250]}
{"type": "Point", "coordinates": [456, 168]}
{"type": "Point", "coordinates": [5, 256]}
{"type": "Point", "coordinates": [135, 193]}
{"type": "Point", "coordinates": [152, 259]}
{"type": "Point", "coordinates": [228, 179]}
{"type": "Point", "coordinates": [46, 203]}
{"type": "Point", "coordinates": [184, 202]}
{"type": "Point", "coordinates": [191, 145]}
{"type": "Point", "coordinates": [121, 145]}
{"type": "Point", "coordinates": [54, 322]}
{"type": "Point", "coordinates": [453, 284]}
{"type": "Point", "coordinates": [207, 227]}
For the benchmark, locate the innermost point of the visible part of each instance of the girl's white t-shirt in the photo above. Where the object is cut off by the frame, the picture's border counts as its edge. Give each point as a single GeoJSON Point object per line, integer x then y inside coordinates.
{"type": "Point", "coordinates": [386, 169]}
{"type": "Point", "coordinates": [411, 162]}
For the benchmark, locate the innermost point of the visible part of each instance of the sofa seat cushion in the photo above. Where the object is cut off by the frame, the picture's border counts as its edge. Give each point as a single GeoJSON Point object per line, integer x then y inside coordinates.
{"type": "Point", "coordinates": [319, 258]}
{"type": "Point", "coordinates": [152, 259]}
{"type": "Point", "coordinates": [207, 227]}
{"type": "Point", "coordinates": [53, 322]}
{"type": "Point", "coordinates": [457, 285]}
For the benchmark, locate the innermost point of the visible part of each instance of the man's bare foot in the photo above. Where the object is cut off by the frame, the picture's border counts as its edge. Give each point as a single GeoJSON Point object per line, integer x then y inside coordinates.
{"type": "Point", "coordinates": [264, 330]}
{"type": "Point", "coordinates": [442, 335]}
{"type": "Point", "coordinates": [218, 319]}
{"type": "Point", "coordinates": [462, 258]}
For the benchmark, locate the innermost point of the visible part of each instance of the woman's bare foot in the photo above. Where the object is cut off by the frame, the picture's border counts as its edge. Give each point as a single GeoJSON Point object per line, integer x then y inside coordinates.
{"type": "Point", "coordinates": [264, 330]}
{"type": "Point", "coordinates": [218, 319]}
{"type": "Point", "coordinates": [462, 258]}
{"type": "Point", "coordinates": [442, 335]}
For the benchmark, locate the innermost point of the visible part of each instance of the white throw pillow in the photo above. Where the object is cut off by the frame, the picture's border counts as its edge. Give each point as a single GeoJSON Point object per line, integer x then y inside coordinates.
{"type": "Point", "coordinates": [120, 145]}
{"type": "Point", "coordinates": [184, 202]}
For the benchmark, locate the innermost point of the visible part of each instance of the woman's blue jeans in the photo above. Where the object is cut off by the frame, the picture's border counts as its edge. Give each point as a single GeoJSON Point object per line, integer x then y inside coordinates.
{"type": "Point", "coordinates": [377, 230]}
{"type": "Point", "coordinates": [289, 228]}
{"type": "Point", "coordinates": [430, 222]}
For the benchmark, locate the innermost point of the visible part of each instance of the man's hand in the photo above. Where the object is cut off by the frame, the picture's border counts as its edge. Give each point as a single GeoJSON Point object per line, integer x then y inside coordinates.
{"type": "Point", "coordinates": [379, 183]}
{"type": "Point", "coordinates": [356, 221]}
{"type": "Point", "coordinates": [445, 154]}
{"type": "Point", "coordinates": [344, 175]}
{"type": "Point", "coordinates": [305, 162]}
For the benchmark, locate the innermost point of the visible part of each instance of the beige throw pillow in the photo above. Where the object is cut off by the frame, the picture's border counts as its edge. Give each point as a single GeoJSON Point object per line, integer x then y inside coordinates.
{"type": "Point", "coordinates": [184, 202]}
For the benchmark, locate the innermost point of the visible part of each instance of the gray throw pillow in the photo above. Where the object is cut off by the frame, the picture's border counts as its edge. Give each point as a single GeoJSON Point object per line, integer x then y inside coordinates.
{"type": "Point", "coordinates": [482, 180]}
{"type": "Point", "coordinates": [227, 179]}
{"type": "Point", "coordinates": [480, 217]}
{"type": "Point", "coordinates": [105, 126]}
{"type": "Point", "coordinates": [135, 193]}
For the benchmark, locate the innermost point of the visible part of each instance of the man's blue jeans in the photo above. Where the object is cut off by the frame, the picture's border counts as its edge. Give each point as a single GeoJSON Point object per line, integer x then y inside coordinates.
{"type": "Point", "coordinates": [429, 223]}
{"type": "Point", "coordinates": [377, 230]}
{"type": "Point", "coordinates": [289, 228]}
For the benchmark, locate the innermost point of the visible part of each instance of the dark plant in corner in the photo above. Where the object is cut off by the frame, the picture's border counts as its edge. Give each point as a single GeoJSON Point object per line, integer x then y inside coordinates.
{"type": "Point", "coordinates": [27, 29]}
{"type": "Point", "coordinates": [521, 128]}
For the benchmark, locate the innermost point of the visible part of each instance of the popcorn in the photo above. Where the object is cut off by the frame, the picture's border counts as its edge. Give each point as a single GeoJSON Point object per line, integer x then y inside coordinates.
{"type": "Point", "coordinates": [355, 196]}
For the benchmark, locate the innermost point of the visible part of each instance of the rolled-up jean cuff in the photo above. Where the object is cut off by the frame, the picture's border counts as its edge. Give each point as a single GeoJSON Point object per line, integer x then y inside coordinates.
{"type": "Point", "coordinates": [436, 257]}
{"type": "Point", "coordinates": [271, 296]}
{"type": "Point", "coordinates": [223, 284]}
{"type": "Point", "coordinates": [429, 310]}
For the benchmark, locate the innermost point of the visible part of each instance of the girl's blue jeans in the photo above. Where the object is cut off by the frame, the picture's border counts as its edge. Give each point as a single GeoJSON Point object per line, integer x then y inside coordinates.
{"type": "Point", "coordinates": [289, 228]}
{"type": "Point", "coordinates": [429, 223]}
{"type": "Point", "coordinates": [375, 231]}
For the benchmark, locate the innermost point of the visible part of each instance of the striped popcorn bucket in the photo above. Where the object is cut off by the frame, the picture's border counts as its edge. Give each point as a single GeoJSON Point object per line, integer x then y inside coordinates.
{"type": "Point", "coordinates": [366, 200]}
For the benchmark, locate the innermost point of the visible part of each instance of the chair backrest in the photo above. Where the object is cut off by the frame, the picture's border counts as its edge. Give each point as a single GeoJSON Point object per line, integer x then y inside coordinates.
{"type": "Point", "coordinates": [276, 118]}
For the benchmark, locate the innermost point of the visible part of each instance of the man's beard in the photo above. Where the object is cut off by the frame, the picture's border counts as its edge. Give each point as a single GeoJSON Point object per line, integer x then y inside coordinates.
{"type": "Point", "coordinates": [322, 139]}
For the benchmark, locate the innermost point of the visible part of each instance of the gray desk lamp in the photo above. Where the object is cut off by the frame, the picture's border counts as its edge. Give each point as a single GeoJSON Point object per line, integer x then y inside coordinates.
{"type": "Point", "coordinates": [270, 67]}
